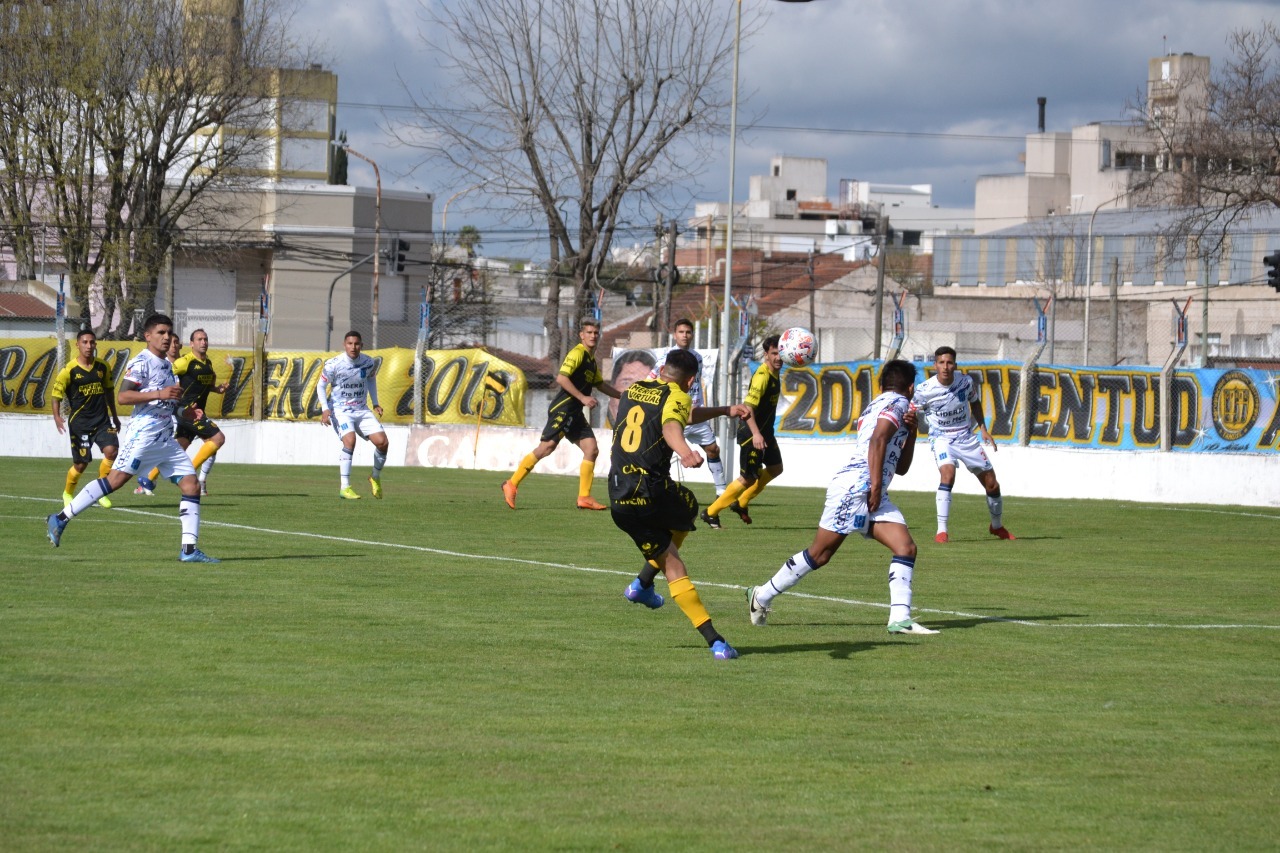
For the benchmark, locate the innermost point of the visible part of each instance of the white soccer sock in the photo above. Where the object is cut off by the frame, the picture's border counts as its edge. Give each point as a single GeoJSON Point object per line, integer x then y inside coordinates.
{"type": "Point", "coordinates": [189, 515]}
{"type": "Point", "coordinates": [87, 497]}
{"type": "Point", "coordinates": [207, 467]}
{"type": "Point", "coordinates": [344, 466]}
{"type": "Point", "coordinates": [900, 572]}
{"type": "Point", "coordinates": [716, 467]}
{"type": "Point", "coordinates": [796, 567]}
{"type": "Point", "coordinates": [379, 459]}
{"type": "Point", "coordinates": [995, 504]}
{"type": "Point", "coordinates": [943, 500]}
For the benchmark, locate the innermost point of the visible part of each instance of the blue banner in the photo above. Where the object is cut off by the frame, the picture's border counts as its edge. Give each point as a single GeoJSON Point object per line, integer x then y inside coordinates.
{"type": "Point", "coordinates": [1211, 410]}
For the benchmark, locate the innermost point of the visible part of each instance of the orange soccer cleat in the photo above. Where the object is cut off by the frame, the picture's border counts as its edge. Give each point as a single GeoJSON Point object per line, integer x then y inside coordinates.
{"type": "Point", "coordinates": [942, 538]}
{"type": "Point", "coordinates": [590, 503]}
{"type": "Point", "coordinates": [1000, 533]}
{"type": "Point", "coordinates": [509, 493]}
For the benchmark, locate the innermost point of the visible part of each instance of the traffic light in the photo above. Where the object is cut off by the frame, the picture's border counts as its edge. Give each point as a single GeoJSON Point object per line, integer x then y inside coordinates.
{"type": "Point", "coordinates": [1272, 263]}
{"type": "Point", "coordinates": [395, 256]}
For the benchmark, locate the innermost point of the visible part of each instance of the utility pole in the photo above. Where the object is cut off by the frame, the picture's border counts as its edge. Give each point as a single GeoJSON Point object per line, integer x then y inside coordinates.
{"type": "Point", "coordinates": [882, 236]}
{"type": "Point", "coordinates": [671, 278]}
{"type": "Point", "coordinates": [1115, 312]}
{"type": "Point", "coordinates": [808, 267]}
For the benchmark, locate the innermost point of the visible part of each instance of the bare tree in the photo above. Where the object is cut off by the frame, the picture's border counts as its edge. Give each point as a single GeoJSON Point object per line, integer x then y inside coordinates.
{"type": "Point", "coordinates": [140, 115]}
{"type": "Point", "coordinates": [570, 108]}
{"type": "Point", "coordinates": [1220, 148]}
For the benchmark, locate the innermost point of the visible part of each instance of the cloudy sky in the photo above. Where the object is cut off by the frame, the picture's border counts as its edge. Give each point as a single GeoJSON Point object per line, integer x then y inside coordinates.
{"type": "Point", "coordinates": [912, 91]}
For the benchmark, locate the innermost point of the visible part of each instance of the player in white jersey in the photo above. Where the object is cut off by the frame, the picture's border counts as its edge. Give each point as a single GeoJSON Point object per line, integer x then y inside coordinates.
{"type": "Point", "coordinates": [858, 502]}
{"type": "Point", "coordinates": [952, 402]}
{"type": "Point", "coordinates": [347, 385]}
{"type": "Point", "coordinates": [703, 434]}
{"type": "Point", "coordinates": [151, 388]}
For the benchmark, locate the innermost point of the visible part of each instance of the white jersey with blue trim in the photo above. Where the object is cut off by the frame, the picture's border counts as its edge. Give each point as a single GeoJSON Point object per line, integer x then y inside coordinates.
{"type": "Point", "coordinates": [345, 383]}
{"type": "Point", "coordinates": [889, 406]}
{"type": "Point", "coordinates": [947, 406]}
{"type": "Point", "coordinates": [150, 372]}
{"type": "Point", "coordinates": [695, 390]}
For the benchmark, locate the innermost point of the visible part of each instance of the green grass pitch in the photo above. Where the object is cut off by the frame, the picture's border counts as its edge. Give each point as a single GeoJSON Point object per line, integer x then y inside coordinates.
{"type": "Point", "coordinates": [434, 671]}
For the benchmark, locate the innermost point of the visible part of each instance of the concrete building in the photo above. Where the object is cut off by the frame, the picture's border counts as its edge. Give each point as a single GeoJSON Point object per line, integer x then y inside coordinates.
{"type": "Point", "coordinates": [1094, 166]}
{"type": "Point", "coordinates": [790, 210]}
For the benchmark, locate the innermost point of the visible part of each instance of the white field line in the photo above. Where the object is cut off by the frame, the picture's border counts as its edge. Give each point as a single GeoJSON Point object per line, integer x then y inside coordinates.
{"type": "Point", "coordinates": [499, 558]}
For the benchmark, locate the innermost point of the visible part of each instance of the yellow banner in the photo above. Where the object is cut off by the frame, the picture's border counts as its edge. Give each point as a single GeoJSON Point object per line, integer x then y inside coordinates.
{"type": "Point", "coordinates": [459, 385]}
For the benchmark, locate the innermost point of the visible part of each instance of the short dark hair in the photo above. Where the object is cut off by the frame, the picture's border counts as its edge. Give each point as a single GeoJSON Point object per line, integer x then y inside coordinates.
{"type": "Point", "coordinates": [941, 351]}
{"type": "Point", "coordinates": [196, 332]}
{"type": "Point", "coordinates": [681, 364]}
{"type": "Point", "coordinates": [897, 375]}
{"type": "Point", "coordinates": [588, 321]}
{"type": "Point", "coordinates": [683, 321]}
{"type": "Point", "coordinates": [769, 343]}
{"type": "Point", "coordinates": [630, 357]}
{"type": "Point", "coordinates": [353, 334]}
{"type": "Point", "coordinates": [86, 331]}
{"type": "Point", "coordinates": [156, 320]}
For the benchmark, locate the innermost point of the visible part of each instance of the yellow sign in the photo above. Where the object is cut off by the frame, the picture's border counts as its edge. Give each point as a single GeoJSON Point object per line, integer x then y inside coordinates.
{"type": "Point", "coordinates": [458, 385]}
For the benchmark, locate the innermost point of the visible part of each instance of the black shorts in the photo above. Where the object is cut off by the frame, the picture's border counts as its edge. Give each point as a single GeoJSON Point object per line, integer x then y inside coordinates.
{"type": "Point", "coordinates": [568, 423]}
{"type": "Point", "coordinates": [202, 428]}
{"type": "Point", "coordinates": [82, 442]}
{"type": "Point", "coordinates": [650, 526]}
{"type": "Point", "coordinates": [751, 461]}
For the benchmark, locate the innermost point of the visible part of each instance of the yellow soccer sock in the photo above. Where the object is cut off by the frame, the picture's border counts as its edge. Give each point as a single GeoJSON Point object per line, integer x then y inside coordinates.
{"type": "Point", "coordinates": [206, 450]}
{"type": "Point", "coordinates": [524, 469]}
{"type": "Point", "coordinates": [154, 475]}
{"type": "Point", "coordinates": [586, 473]}
{"type": "Point", "coordinates": [104, 467]}
{"type": "Point", "coordinates": [730, 495]}
{"type": "Point", "coordinates": [750, 494]}
{"type": "Point", "coordinates": [73, 477]}
{"type": "Point", "coordinates": [686, 597]}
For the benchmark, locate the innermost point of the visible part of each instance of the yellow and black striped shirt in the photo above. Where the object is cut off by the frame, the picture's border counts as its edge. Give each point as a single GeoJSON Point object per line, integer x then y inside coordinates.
{"type": "Point", "coordinates": [762, 396]}
{"type": "Point", "coordinates": [641, 457]}
{"type": "Point", "coordinates": [581, 368]}
{"type": "Point", "coordinates": [86, 390]}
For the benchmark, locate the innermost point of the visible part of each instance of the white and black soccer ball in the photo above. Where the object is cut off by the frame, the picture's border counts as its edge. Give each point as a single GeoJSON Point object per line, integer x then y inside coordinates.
{"type": "Point", "coordinates": [797, 347]}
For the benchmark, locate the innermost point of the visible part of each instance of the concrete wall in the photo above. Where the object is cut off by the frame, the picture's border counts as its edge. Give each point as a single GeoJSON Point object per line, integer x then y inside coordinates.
{"type": "Point", "coordinates": [1176, 478]}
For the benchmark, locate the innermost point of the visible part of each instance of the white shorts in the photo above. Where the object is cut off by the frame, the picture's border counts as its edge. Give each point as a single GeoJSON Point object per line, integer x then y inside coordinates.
{"type": "Point", "coordinates": [700, 434]}
{"type": "Point", "coordinates": [845, 511]}
{"type": "Point", "coordinates": [958, 450]}
{"type": "Point", "coordinates": [144, 449]}
{"type": "Point", "coordinates": [362, 422]}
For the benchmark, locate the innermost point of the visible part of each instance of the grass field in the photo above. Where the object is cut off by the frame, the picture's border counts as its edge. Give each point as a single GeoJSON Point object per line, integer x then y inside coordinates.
{"type": "Point", "coordinates": [434, 671]}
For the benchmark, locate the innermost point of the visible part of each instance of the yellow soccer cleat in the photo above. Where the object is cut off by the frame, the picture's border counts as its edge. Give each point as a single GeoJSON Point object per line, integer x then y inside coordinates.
{"type": "Point", "coordinates": [349, 494]}
{"type": "Point", "coordinates": [104, 502]}
{"type": "Point", "coordinates": [67, 497]}
{"type": "Point", "coordinates": [376, 485]}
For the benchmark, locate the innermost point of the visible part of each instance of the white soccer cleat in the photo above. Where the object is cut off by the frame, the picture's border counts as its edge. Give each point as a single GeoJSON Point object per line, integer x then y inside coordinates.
{"type": "Point", "coordinates": [909, 626]}
{"type": "Point", "coordinates": [758, 613]}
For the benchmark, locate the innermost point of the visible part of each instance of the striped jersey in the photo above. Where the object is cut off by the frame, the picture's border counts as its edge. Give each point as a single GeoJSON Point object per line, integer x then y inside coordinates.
{"type": "Point", "coordinates": [345, 383]}
{"type": "Point", "coordinates": [86, 390]}
{"type": "Point", "coordinates": [889, 406]}
{"type": "Point", "coordinates": [150, 372]}
{"type": "Point", "coordinates": [948, 407]}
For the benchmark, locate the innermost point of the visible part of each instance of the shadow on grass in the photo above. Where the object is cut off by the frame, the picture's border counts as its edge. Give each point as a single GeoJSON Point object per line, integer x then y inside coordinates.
{"type": "Point", "coordinates": [838, 649]}
{"type": "Point", "coordinates": [973, 622]}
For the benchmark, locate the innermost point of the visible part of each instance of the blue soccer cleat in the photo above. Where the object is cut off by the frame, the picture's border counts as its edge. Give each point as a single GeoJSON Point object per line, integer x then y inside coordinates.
{"type": "Point", "coordinates": [145, 486]}
{"type": "Point", "coordinates": [650, 597]}
{"type": "Point", "coordinates": [197, 556]}
{"type": "Point", "coordinates": [56, 526]}
{"type": "Point", "coordinates": [720, 650]}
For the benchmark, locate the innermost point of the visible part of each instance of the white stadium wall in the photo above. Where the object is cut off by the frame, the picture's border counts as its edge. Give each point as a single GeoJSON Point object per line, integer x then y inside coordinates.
{"type": "Point", "coordinates": [1146, 476]}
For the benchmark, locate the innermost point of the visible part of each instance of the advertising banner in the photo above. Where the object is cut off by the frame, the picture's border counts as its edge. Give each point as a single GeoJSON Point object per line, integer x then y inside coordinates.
{"type": "Point", "coordinates": [1212, 410]}
{"type": "Point", "coordinates": [455, 389]}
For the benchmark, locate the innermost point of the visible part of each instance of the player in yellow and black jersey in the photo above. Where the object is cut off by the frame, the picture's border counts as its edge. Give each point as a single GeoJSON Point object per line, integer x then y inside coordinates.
{"type": "Point", "coordinates": [578, 377]}
{"type": "Point", "coordinates": [85, 383]}
{"type": "Point", "coordinates": [759, 458]}
{"type": "Point", "coordinates": [647, 505]}
{"type": "Point", "coordinates": [197, 379]}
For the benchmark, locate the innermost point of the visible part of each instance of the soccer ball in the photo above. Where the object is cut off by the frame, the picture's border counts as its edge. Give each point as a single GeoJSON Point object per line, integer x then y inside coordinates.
{"type": "Point", "coordinates": [797, 347]}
